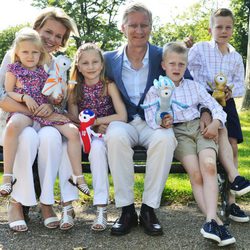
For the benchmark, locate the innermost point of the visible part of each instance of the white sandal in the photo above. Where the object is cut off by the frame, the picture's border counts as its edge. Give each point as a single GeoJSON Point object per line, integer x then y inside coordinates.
{"type": "Point", "coordinates": [100, 220]}
{"type": "Point", "coordinates": [66, 218]}
{"type": "Point", "coordinates": [14, 224]}
{"type": "Point", "coordinates": [82, 187]}
{"type": "Point", "coordinates": [49, 221]}
{"type": "Point", "coordinates": [6, 188]}
{"type": "Point", "coordinates": [18, 223]}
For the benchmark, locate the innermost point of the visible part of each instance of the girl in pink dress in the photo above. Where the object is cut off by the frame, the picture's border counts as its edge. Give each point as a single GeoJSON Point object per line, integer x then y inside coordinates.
{"type": "Point", "coordinates": [25, 79]}
{"type": "Point", "coordinates": [94, 92]}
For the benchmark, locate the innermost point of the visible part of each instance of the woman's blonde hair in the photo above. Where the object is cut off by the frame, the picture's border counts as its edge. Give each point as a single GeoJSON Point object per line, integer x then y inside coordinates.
{"type": "Point", "coordinates": [57, 14]}
{"type": "Point", "coordinates": [77, 77]}
{"type": "Point", "coordinates": [28, 34]}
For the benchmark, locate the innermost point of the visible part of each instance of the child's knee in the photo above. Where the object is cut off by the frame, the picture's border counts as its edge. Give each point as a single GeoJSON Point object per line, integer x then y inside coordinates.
{"type": "Point", "coordinates": [196, 178]}
{"type": "Point", "coordinates": [12, 128]}
{"type": "Point", "coordinates": [209, 166]}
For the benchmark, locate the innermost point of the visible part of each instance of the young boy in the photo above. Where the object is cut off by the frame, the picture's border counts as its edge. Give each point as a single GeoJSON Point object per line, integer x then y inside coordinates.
{"type": "Point", "coordinates": [196, 153]}
{"type": "Point", "coordinates": [205, 61]}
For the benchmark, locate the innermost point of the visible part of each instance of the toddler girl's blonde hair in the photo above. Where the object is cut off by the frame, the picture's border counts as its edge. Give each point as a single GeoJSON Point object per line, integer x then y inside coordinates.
{"type": "Point", "coordinates": [77, 77]}
{"type": "Point", "coordinates": [28, 34]}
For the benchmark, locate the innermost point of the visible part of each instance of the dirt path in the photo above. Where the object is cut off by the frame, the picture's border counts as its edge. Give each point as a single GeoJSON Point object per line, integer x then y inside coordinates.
{"type": "Point", "coordinates": [181, 231]}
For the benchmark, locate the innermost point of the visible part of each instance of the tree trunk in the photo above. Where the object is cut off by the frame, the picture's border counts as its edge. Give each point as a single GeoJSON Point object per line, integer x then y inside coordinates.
{"type": "Point", "coordinates": [246, 101]}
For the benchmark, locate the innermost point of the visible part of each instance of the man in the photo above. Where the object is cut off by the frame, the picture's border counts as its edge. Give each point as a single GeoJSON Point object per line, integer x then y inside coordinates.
{"type": "Point", "coordinates": [133, 68]}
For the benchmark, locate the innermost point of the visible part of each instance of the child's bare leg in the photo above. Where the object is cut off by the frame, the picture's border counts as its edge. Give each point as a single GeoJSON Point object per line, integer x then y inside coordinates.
{"type": "Point", "coordinates": [234, 146]}
{"type": "Point", "coordinates": [207, 162]}
{"type": "Point", "coordinates": [191, 165]}
{"type": "Point", "coordinates": [71, 132]}
{"type": "Point", "coordinates": [14, 127]}
{"type": "Point", "coordinates": [227, 159]}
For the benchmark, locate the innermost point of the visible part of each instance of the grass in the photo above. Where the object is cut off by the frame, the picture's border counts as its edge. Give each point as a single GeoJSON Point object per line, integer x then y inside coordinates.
{"type": "Point", "coordinates": [177, 188]}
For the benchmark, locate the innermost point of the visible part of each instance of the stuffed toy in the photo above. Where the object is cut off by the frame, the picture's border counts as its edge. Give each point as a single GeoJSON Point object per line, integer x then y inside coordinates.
{"type": "Point", "coordinates": [56, 82]}
{"type": "Point", "coordinates": [87, 119]}
{"type": "Point", "coordinates": [220, 82]}
{"type": "Point", "coordinates": [164, 87]}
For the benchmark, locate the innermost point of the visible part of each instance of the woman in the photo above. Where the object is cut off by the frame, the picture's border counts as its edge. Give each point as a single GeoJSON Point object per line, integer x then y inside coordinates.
{"type": "Point", "coordinates": [54, 28]}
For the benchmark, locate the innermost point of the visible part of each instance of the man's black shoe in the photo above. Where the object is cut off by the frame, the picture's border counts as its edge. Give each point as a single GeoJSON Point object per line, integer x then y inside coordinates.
{"type": "Point", "coordinates": [150, 223]}
{"type": "Point", "coordinates": [124, 224]}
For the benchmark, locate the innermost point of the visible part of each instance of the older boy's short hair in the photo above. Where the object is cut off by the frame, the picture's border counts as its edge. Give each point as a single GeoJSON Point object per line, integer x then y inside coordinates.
{"type": "Point", "coordinates": [221, 12]}
{"type": "Point", "coordinates": [136, 7]}
{"type": "Point", "coordinates": [177, 47]}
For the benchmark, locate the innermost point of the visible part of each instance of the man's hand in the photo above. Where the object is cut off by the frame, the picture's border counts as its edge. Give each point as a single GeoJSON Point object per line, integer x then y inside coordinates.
{"type": "Point", "coordinates": [189, 41]}
{"type": "Point", "coordinates": [205, 120]}
{"type": "Point", "coordinates": [167, 121]}
{"type": "Point", "coordinates": [211, 131]}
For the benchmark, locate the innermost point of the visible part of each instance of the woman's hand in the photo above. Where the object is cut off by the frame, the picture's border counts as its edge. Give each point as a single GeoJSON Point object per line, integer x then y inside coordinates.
{"type": "Point", "coordinates": [44, 110]}
{"type": "Point", "coordinates": [54, 117]}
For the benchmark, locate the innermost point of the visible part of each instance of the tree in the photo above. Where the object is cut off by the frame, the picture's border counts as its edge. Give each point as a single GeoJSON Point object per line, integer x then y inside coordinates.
{"type": "Point", "coordinates": [95, 19]}
{"type": "Point", "coordinates": [7, 37]}
{"type": "Point", "coordinates": [246, 101]}
{"type": "Point", "coordinates": [194, 21]}
{"type": "Point", "coordinates": [241, 9]}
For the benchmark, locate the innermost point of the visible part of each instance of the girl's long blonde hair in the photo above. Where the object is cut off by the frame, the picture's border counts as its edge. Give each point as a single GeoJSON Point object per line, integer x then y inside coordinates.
{"type": "Point", "coordinates": [28, 34]}
{"type": "Point", "coordinates": [77, 77]}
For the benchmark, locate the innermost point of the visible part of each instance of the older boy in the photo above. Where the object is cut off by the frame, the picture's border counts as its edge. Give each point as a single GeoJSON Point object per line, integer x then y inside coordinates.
{"type": "Point", "coordinates": [196, 153]}
{"type": "Point", "coordinates": [205, 61]}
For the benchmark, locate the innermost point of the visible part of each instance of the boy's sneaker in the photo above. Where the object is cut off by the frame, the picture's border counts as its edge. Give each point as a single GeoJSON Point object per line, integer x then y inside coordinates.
{"type": "Point", "coordinates": [210, 230]}
{"type": "Point", "coordinates": [236, 214]}
{"type": "Point", "coordinates": [225, 236]}
{"type": "Point", "coordinates": [240, 186]}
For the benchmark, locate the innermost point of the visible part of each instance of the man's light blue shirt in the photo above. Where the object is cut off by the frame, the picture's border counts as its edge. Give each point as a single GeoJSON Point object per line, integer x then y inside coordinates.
{"type": "Point", "coordinates": [135, 80]}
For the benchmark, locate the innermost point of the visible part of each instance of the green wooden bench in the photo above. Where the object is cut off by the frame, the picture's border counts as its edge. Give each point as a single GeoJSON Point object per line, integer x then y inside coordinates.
{"type": "Point", "coordinates": [176, 168]}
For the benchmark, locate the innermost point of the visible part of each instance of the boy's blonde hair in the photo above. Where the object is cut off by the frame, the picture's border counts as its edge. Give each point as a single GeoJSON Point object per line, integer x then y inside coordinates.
{"type": "Point", "coordinates": [177, 47]}
{"type": "Point", "coordinates": [57, 14]}
{"type": "Point", "coordinates": [76, 76]}
{"type": "Point", "coordinates": [28, 34]}
{"type": "Point", "coordinates": [136, 7]}
{"type": "Point", "coordinates": [220, 12]}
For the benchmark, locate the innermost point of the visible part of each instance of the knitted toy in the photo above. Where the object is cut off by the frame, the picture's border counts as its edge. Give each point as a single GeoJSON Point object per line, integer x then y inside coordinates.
{"type": "Point", "coordinates": [164, 87]}
{"type": "Point", "coordinates": [56, 82]}
{"type": "Point", "coordinates": [219, 95]}
{"type": "Point", "coordinates": [87, 119]}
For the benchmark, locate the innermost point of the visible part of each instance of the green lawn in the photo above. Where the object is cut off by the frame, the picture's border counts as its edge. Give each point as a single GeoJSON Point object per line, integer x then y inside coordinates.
{"type": "Point", "coordinates": [178, 189]}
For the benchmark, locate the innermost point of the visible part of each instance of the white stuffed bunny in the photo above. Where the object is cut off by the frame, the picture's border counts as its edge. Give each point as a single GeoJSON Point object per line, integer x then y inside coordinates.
{"type": "Point", "coordinates": [56, 82]}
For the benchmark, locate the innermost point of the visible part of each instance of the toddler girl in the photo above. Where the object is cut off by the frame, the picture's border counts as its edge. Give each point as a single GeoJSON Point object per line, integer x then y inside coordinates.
{"type": "Point", "coordinates": [24, 81]}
